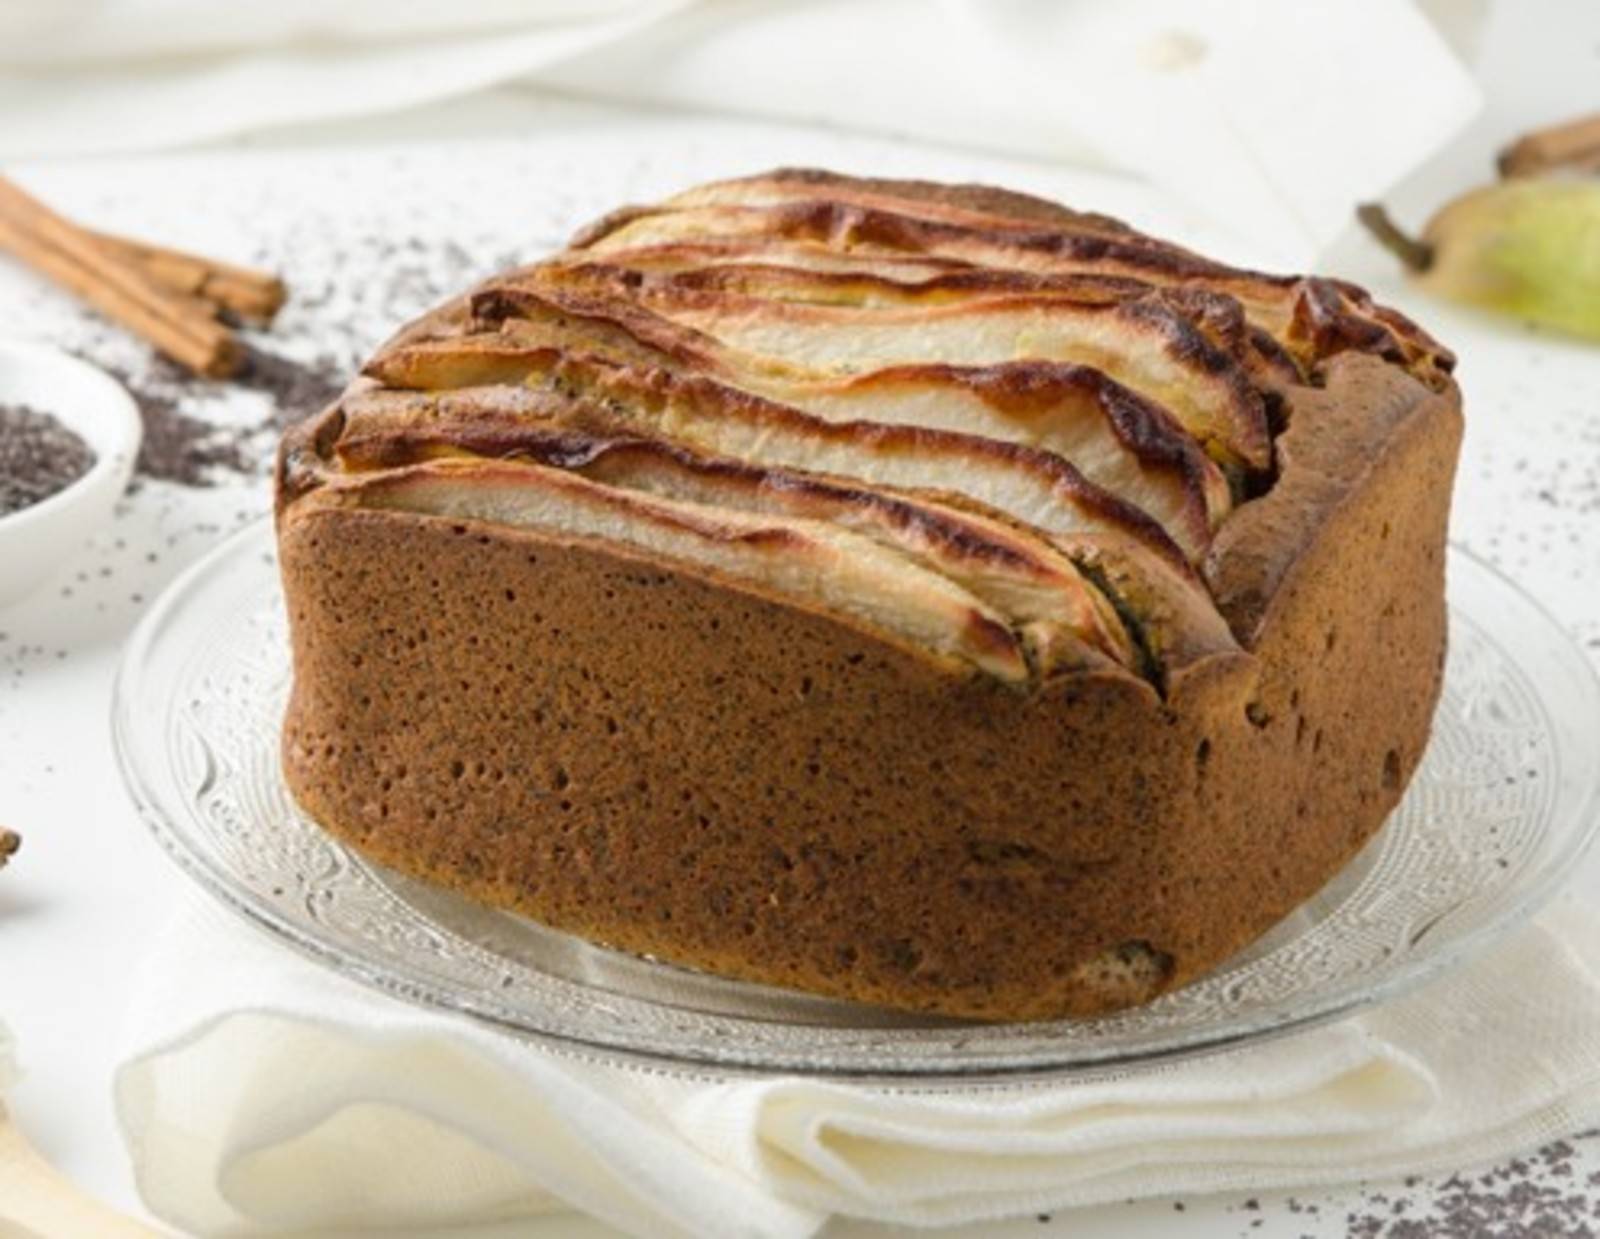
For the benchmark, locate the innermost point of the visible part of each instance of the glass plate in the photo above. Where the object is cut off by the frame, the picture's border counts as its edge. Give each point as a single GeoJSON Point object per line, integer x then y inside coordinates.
{"type": "Point", "coordinates": [1503, 805]}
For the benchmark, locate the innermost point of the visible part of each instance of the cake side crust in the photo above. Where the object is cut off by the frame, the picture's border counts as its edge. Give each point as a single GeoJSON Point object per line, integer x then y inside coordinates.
{"type": "Point", "coordinates": [667, 765]}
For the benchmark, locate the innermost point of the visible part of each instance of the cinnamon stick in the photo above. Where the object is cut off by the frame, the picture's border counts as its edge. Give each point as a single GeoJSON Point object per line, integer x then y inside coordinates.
{"type": "Point", "coordinates": [255, 296]}
{"type": "Point", "coordinates": [59, 249]}
{"type": "Point", "coordinates": [1573, 144]}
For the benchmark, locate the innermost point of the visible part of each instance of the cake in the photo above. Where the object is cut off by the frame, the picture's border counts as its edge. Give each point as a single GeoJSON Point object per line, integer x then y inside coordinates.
{"type": "Point", "coordinates": [923, 595]}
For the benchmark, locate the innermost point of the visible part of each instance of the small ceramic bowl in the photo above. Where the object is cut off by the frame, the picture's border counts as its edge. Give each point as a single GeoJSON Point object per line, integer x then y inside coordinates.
{"type": "Point", "coordinates": [36, 540]}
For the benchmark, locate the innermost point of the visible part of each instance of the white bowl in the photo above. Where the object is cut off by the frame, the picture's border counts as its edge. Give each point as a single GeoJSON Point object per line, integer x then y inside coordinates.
{"type": "Point", "coordinates": [36, 540]}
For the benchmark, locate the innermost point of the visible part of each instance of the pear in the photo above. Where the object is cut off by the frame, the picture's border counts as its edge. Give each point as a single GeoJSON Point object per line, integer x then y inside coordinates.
{"type": "Point", "coordinates": [1526, 247]}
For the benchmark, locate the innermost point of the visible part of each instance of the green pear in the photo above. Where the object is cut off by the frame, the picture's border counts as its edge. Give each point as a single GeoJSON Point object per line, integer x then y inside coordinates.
{"type": "Point", "coordinates": [1529, 248]}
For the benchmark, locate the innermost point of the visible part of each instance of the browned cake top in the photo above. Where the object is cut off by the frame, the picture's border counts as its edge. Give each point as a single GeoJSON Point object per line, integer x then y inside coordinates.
{"type": "Point", "coordinates": [977, 424]}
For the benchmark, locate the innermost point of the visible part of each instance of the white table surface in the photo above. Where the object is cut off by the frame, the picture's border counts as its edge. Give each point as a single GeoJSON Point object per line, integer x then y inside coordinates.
{"type": "Point", "coordinates": [81, 900]}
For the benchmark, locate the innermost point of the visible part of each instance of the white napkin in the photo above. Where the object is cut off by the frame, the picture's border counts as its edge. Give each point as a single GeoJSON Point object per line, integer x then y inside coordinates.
{"type": "Point", "coordinates": [8, 1060]}
{"type": "Point", "coordinates": [262, 1093]}
{"type": "Point", "coordinates": [1274, 119]}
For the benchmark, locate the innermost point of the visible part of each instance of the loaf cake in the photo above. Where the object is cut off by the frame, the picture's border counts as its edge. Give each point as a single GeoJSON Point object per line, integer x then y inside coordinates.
{"type": "Point", "coordinates": [917, 594]}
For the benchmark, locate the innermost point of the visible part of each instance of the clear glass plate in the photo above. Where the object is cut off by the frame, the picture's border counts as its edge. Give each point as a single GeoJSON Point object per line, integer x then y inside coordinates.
{"type": "Point", "coordinates": [1502, 807]}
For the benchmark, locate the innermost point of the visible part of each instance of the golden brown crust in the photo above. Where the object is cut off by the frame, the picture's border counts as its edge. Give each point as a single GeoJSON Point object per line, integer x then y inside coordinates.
{"type": "Point", "coordinates": [669, 759]}
{"type": "Point", "coordinates": [1317, 318]}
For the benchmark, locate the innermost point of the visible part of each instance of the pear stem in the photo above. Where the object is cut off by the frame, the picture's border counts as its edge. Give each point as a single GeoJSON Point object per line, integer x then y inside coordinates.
{"type": "Point", "coordinates": [1416, 254]}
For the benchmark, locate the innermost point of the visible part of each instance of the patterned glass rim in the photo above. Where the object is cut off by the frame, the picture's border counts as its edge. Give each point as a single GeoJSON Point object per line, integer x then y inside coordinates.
{"type": "Point", "coordinates": [632, 1016]}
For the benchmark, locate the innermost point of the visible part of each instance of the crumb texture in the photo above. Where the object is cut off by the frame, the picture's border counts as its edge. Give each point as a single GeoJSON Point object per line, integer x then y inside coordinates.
{"type": "Point", "coordinates": [909, 593]}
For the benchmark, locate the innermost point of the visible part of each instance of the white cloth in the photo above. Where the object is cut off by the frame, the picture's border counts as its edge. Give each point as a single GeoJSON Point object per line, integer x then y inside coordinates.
{"type": "Point", "coordinates": [262, 1093]}
{"type": "Point", "coordinates": [1274, 119]}
{"type": "Point", "coordinates": [8, 1060]}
